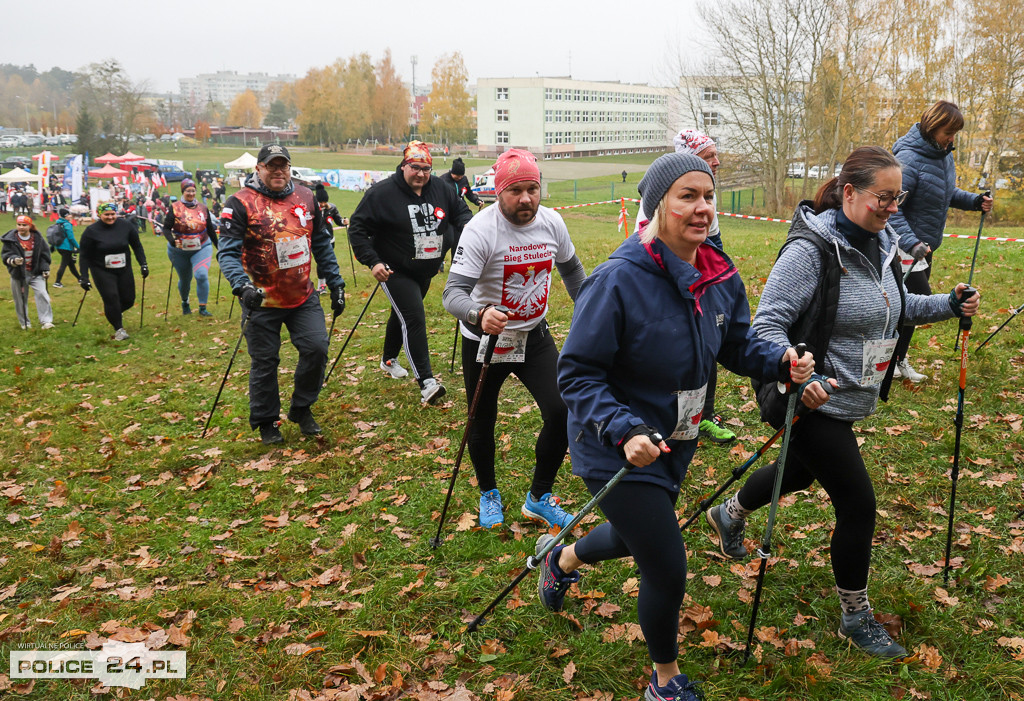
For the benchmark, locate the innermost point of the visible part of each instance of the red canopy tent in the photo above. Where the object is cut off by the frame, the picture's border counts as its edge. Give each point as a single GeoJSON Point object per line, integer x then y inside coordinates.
{"type": "Point", "coordinates": [128, 157]}
{"type": "Point", "coordinates": [108, 157]}
{"type": "Point", "coordinates": [108, 171]}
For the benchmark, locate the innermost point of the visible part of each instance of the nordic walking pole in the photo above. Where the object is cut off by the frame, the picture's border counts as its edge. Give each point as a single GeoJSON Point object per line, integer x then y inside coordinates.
{"type": "Point", "coordinates": [455, 345]}
{"type": "Point", "coordinates": [739, 471]}
{"type": "Point", "coordinates": [241, 335]}
{"type": "Point", "coordinates": [167, 306]}
{"type": "Point", "coordinates": [974, 258]}
{"type": "Point", "coordinates": [489, 341]}
{"type": "Point", "coordinates": [533, 561]}
{"type": "Point", "coordinates": [349, 338]}
{"type": "Point", "coordinates": [958, 420]}
{"type": "Point", "coordinates": [765, 551]}
{"type": "Point", "coordinates": [142, 304]}
{"type": "Point", "coordinates": [231, 310]}
{"type": "Point", "coordinates": [73, 323]}
{"type": "Point", "coordinates": [219, 277]}
{"type": "Point", "coordinates": [1013, 313]}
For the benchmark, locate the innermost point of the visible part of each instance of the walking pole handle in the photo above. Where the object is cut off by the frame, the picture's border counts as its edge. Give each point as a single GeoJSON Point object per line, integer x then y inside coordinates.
{"type": "Point", "coordinates": [965, 321]}
{"type": "Point", "coordinates": [491, 340]}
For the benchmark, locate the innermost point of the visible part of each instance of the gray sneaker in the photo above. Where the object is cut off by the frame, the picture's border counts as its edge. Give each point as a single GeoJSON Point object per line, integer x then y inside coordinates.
{"type": "Point", "coordinates": [120, 335]}
{"type": "Point", "coordinates": [871, 637]}
{"type": "Point", "coordinates": [730, 533]}
{"type": "Point", "coordinates": [904, 370]}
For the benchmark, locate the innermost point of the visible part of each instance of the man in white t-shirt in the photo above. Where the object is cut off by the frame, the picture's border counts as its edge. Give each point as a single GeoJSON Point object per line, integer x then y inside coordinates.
{"type": "Point", "coordinates": [505, 258]}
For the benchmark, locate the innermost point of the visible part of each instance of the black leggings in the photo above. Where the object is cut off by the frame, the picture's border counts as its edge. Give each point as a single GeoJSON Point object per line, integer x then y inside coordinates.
{"type": "Point", "coordinates": [539, 375]}
{"type": "Point", "coordinates": [642, 523]}
{"type": "Point", "coordinates": [407, 325]}
{"type": "Point", "coordinates": [67, 261]}
{"type": "Point", "coordinates": [825, 449]}
{"type": "Point", "coordinates": [917, 283]}
{"type": "Point", "coordinates": [117, 290]}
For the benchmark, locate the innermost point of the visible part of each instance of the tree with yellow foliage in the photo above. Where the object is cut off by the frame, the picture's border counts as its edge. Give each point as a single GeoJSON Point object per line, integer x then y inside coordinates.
{"type": "Point", "coordinates": [447, 114]}
{"type": "Point", "coordinates": [245, 111]}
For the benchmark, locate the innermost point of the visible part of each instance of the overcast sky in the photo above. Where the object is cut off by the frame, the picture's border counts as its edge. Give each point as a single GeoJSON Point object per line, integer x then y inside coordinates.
{"type": "Point", "coordinates": [160, 42]}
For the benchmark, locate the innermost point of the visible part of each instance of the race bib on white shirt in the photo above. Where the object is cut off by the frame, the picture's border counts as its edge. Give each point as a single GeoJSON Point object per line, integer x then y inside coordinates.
{"type": "Point", "coordinates": [191, 243]}
{"type": "Point", "coordinates": [115, 260]}
{"type": "Point", "coordinates": [510, 347]}
{"type": "Point", "coordinates": [428, 246]}
{"type": "Point", "coordinates": [690, 407]}
{"type": "Point", "coordinates": [291, 253]}
{"type": "Point", "coordinates": [877, 356]}
{"type": "Point", "coordinates": [907, 262]}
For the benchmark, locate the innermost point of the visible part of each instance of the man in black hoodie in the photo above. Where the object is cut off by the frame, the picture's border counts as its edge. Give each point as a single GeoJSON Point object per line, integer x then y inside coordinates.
{"type": "Point", "coordinates": [397, 231]}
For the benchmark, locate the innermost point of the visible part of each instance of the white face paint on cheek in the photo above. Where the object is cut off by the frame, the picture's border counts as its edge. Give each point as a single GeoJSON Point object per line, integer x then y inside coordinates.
{"type": "Point", "coordinates": [677, 215]}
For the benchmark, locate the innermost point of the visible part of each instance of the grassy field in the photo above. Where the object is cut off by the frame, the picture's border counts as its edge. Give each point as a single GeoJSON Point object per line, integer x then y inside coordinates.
{"type": "Point", "coordinates": [305, 572]}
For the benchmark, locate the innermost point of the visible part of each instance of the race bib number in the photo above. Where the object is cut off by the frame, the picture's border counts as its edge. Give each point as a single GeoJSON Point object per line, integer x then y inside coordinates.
{"type": "Point", "coordinates": [115, 260]}
{"type": "Point", "coordinates": [428, 246]}
{"type": "Point", "coordinates": [689, 407]}
{"type": "Point", "coordinates": [191, 243]}
{"type": "Point", "coordinates": [907, 262]}
{"type": "Point", "coordinates": [292, 253]}
{"type": "Point", "coordinates": [877, 356]}
{"type": "Point", "coordinates": [510, 347]}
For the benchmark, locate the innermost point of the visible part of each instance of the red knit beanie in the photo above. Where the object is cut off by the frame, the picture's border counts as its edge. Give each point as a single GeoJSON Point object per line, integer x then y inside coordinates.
{"type": "Point", "coordinates": [514, 166]}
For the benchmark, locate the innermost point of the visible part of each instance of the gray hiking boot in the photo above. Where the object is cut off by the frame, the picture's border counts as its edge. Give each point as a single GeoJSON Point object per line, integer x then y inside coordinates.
{"type": "Point", "coordinates": [730, 533]}
{"type": "Point", "coordinates": [870, 636]}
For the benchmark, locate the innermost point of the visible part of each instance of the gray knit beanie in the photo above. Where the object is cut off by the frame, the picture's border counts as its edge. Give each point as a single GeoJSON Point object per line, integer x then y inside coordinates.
{"type": "Point", "coordinates": [665, 171]}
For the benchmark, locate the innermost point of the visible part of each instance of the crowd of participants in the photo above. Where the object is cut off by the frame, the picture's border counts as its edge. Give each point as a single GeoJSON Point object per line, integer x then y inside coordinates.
{"type": "Point", "coordinates": [635, 379]}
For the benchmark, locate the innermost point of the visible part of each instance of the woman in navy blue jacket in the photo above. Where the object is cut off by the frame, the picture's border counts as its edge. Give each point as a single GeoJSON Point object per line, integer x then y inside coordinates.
{"type": "Point", "coordinates": [648, 327]}
{"type": "Point", "coordinates": [929, 179]}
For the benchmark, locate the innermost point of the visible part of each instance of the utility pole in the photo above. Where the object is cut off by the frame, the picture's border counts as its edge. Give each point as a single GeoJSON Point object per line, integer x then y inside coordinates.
{"type": "Point", "coordinates": [415, 109]}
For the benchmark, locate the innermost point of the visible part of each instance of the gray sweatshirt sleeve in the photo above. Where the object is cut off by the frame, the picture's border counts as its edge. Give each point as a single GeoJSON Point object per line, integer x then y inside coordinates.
{"type": "Point", "coordinates": [788, 292]}
{"type": "Point", "coordinates": [926, 309]}
{"type": "Point", "coordinates": [456, 296]}
{"type": "Point", "coordinates": [573, 275]}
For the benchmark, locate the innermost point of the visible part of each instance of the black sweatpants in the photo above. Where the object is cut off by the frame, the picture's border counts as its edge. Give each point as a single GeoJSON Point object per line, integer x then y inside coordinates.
{"type": "Point", "coordinates": [407, 325]}
{"type": "Point", "coordinates": [642, 523]}
{"type": "Point", "coordinates": [917, 283]}
{"type": "Point", "coordinates": [308, 333]}
{"type": "Point", "coordinates": [539, 375]}
{"type": "Point", "coordinates": [117, 290]}
{"type": "Point", "coordinates": [824, 449]}
{"type": "Point", "coordinates": [67, 261]}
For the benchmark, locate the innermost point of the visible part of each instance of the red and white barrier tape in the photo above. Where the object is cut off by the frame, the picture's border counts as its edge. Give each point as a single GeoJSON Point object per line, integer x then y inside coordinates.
{"type": "Point", "coordinates": [789, 221]}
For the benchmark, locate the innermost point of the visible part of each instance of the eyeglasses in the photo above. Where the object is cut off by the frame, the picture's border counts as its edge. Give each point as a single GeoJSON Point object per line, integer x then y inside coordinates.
{"type": "Point", "coordinates": [419, 169]}
{"type": "Point", "coordinates": [885, 200]}
{"type": "Point", "coordinates": [276, 166]}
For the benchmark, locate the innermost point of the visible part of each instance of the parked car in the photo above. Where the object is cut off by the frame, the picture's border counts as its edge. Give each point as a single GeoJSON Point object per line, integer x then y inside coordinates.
{"type": "Point", "coordinates": [51, 141]}
{"type": "Point", "coordinates": [305, 176]}
{"type": "Point", "coordinates": [23, 162]}
{"type": "Point", "coordinates": [68, 139]}
{"type": "Point", "coordinates": [173, 174]}
{"type": "Point", "coordinates": [31, 140]}
{"type": "Point", "coordinates": [10, 141]}
{"type": "Point", "coordinates": [208, 176]}
{"type": "Point", "coordinates": [795, 170]}
{"type": "Point", "coordinates": [818, 172]}
{"type": "Point", "coordinates": [149, 137]}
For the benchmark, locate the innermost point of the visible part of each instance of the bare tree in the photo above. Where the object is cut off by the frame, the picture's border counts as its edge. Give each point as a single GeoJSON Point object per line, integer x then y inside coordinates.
{"type": "Point", "coordinates": [113, 99]}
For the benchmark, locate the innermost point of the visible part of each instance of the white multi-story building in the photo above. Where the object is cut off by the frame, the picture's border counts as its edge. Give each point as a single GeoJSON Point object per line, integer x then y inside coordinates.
{"type": "Point", "coordinates": [225, 86]}
{"type": "Point", "coordinates": [565, 118]}
{"type": "Point", "coordinates": [699, 104]}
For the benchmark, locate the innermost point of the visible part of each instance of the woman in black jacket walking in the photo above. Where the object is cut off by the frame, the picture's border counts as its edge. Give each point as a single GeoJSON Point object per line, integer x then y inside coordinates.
{"type": "Point", "coordinates": [105, 247]}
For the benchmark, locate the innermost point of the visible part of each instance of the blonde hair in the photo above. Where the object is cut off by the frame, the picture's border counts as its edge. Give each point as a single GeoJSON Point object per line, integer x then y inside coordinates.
{"type": "Point", "coordinates": [654, 226]}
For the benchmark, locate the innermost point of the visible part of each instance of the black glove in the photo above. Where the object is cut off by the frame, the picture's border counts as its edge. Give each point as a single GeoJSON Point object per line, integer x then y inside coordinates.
{"type": "Point", "coordinates": [144, 269]}
{"type": "Point", "coordinates": [955, 301]}
{"type": "Point", "coordinates": [338, 300]}
{"type": "Point", "coordinates": [249, 297]}
{"type": "Point", "coordinates": [639, 430]}
{"type": "Point", "coordinates": [85, 284]}
{"type": "Point", "coordinates": [919, 251]}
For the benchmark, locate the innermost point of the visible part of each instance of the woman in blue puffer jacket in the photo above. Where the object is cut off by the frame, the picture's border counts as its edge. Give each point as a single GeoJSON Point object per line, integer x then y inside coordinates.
{"type": "Point", "coordinates": [929, 178]}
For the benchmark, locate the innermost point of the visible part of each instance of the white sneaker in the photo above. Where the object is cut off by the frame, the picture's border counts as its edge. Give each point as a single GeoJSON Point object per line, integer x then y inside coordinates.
{"type": "Point", "coordinates": [47, 325]}
{"type": "Point", "coordinates": [432, 391]}
{"type": "Point", "coordinates": [120, 335]}
{"type": "Point", "coordinates": [904, 370]}
{"type": "Point", "coordinates": [392, 368]}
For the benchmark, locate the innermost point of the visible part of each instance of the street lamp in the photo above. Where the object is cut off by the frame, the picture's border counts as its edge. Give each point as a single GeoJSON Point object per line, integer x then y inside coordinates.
{"type": "Point", "coordinates": [25, 103]}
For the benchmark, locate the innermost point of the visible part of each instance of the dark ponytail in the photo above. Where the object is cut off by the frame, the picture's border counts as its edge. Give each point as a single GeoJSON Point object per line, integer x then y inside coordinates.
{"type": "Point", "coordinates": [859, 170]}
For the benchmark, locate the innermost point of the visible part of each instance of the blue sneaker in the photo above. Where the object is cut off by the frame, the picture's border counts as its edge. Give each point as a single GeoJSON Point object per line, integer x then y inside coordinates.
{"type": "Point", "coordinates": [546, 510]}
{"type": "Point", "coordinates": [553, 583]}
{"type": "Point", "coordinates": [491, 509]}
{"type": "Point", "coordinates": [679, 688]}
